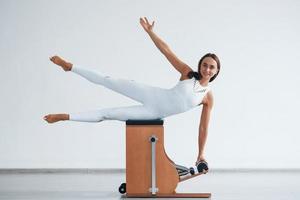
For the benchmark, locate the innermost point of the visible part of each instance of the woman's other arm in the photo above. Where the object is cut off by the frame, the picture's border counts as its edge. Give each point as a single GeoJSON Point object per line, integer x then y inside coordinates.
{"type": "Point", "coordinates": [180, 66]}
{"type": "Point", "coordinates": [204, 123]}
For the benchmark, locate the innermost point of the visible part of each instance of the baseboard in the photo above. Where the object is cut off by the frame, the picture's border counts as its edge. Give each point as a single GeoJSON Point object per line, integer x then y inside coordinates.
{"type": "Point", "coordinates": [60, 170]}
{"type": "Point", "coordinates": [120, 170]}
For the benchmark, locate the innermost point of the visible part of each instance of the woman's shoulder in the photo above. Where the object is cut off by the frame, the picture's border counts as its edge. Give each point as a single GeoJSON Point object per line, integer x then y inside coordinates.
{"type": "Point", "coordinates": [210, 93]}
{"type": "Point", "coordinates": [209, 99]}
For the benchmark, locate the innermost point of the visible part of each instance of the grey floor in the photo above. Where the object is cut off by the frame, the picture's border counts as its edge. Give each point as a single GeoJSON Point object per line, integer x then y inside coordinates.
{"type": "Point", "coordinates": [99, 185]}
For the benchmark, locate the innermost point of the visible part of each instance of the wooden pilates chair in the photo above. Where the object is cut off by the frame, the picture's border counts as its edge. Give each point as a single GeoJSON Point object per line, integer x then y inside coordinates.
{"type": "Point", "coordinates": [149, 171]}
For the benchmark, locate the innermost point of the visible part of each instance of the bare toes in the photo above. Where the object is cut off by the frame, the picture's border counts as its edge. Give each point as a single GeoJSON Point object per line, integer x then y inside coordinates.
{"type": "Point", "coordinates": [47, 118]}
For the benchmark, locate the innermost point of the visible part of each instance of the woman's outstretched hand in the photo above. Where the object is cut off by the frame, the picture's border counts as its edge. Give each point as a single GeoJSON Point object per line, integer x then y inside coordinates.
{"type": "Point", "coordinates": [146, 25]}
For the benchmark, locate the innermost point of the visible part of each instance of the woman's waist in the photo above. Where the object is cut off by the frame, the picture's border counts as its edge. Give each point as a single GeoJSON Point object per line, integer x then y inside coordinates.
{"type": "Point", "coordinates": [171, 102]}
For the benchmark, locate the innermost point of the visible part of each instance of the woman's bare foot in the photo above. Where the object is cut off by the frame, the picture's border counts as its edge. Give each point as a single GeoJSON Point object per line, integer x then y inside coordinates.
{"type": "Point", "coordinates": [52, 118]}
{"type": "Point", "coordinates": [61, 62]}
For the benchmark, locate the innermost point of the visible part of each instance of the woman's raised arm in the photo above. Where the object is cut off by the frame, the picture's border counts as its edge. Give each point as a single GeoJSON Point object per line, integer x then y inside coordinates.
{"type": "Point", "coordinates": [180, 66]}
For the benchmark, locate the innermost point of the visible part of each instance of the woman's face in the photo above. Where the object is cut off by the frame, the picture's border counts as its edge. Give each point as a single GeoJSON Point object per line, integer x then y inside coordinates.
{"type": "Point", "coordinates": [208, 68]}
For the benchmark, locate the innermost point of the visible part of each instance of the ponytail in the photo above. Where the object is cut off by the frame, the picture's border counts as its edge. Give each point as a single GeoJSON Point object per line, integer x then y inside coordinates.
{"type": "Point", "coordinates": [192, 74]}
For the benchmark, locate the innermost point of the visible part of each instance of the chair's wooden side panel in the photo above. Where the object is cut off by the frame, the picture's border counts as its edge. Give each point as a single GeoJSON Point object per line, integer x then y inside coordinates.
{"type": "Point", "coordinates": [138, 161]}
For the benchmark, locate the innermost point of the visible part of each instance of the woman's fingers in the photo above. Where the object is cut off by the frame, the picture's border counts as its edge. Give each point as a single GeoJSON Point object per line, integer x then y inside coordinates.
{"type": "Point", "coordinates": [147, 20]}
{"type": "Point", "coordinates": [145, 23]}
{"type": "Point", "coordinates": [142, 22]}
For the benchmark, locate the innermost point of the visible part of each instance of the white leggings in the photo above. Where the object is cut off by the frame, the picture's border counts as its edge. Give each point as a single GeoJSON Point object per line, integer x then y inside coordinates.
{"type": "Point", "coordinates": [147, 95]}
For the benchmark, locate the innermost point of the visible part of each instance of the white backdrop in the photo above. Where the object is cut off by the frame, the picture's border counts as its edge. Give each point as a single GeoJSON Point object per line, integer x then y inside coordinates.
{"type": "Point", "coordinates": [254, 122]}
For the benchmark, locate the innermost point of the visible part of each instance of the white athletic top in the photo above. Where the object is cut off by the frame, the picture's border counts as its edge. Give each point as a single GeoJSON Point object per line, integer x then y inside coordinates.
{"type": "Point", "coordinates": [185, 95]}
{"type": "Point", "coordinates": [191, 91]}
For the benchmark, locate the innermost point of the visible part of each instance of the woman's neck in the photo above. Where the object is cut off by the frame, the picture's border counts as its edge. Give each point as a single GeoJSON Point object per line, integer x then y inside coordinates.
{"type": "Point", "coordinates": [204, 82]}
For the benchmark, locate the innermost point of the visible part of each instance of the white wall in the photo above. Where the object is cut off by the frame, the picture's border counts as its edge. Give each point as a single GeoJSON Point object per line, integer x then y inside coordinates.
{"type": "Point", "coordinates": [255, 119]}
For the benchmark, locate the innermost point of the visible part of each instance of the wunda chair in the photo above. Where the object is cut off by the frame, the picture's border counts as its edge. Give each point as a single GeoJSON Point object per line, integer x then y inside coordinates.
{"type": "Point", "coordinates": [149, 171]}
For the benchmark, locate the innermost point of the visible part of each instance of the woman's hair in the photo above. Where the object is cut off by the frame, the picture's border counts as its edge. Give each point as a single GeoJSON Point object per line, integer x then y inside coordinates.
{"type": "Point", "coordinates": [197, 75]}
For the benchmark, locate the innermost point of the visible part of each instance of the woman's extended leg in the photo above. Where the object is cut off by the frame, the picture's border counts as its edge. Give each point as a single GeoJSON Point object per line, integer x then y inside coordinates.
{"type": "Point", "coordinates": [130, 88]}
{"type": "Point", "coordinates": [137, 91]}
{"type": "Point", "coordinates": [139, 112]}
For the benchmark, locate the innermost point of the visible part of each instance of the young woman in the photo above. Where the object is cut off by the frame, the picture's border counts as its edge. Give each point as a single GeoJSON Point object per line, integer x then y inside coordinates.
{"type": "Point", "coordinates": [192, 90]}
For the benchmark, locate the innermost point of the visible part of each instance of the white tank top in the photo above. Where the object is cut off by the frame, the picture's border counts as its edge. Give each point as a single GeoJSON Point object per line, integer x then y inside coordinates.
{"type": "Point", "coordinates": [185, 95]}
{"type": "Point", "coordinates": [190, 92]}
